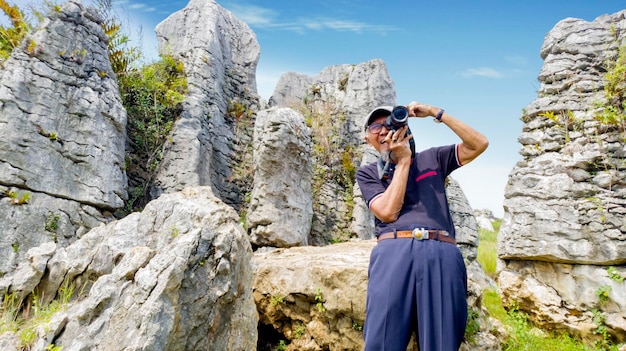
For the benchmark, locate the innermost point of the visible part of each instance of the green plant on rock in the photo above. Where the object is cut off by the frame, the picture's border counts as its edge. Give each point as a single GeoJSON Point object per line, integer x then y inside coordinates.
{"type": "Point", "coordinates": [25, 317]}
{"type": "Point", "coordinates": [152, 97]}
{"type": "Point", "coordinates": [19, 198]}
{"type": "Point", "coordinates": [242, 172]}
{"type": "Point", "coordinates": [565, 120]}
{"type": "Point", "coordinates": [612, 112]}
{"type": "Point", "coordinates": [52, 223]}
{"type": "Point", "coordinates": [13, 35]}
{"type": "Point", "coordinates": [603, 293]}
{"type": "Point", "coordinates": [604, 343]}
{"type": "Point", "coordinates": [299, 331]}
{"type": "Point", "coordinates": [614, 274]}
{"type": "Point", "coordinates": [282, 345]}
{"type": "Point", "coordinates": [472, 327]}
{"type": "Point", "coordinates": [319, 300]}
{"type": "Point", "coordinates": [275, 300]}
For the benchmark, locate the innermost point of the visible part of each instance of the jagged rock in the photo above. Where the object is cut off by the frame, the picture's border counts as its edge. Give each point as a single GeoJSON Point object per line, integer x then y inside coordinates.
{"type": "Point", "coordinates": [220, 54]}
{"type": "Point", "coordinates": [564, 203]}
{"type": "Point", "coordinates": [338, 100]}
{"type": "Point", "coordinates": [280, 210]}
{"type": "Point", "coordinates": [62, 123]}
{"type": "Point", "coordinates": [177, 276]}
{"type": "Point", "coordinates": [563, 296]}
{"type": "Point", "coordinates": [62, 132]}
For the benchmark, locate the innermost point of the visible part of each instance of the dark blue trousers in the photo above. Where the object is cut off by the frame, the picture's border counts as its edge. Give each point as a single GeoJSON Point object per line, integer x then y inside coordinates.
{"type": "Point", "coordinates": [415, 285]}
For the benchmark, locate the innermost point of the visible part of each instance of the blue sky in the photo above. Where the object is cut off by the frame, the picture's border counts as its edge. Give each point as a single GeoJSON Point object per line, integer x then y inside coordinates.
{"type": "Point", "coordinates": [477, 59]}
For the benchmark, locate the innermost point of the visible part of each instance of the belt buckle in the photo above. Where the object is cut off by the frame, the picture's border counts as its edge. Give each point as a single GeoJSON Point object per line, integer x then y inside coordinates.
{"type": "Point", "coordinates": [420, 234]}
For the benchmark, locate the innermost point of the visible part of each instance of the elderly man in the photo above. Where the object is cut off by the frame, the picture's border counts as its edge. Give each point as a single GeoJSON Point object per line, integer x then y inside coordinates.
{"type": "Point", "coordinates": [417, 276]}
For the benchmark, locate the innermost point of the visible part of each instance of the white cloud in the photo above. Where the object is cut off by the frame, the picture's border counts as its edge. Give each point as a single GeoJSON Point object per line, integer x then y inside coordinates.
{"type": "Point", "coordinates": [342, 25]}
{"type": "Point", "coordinates": [253, 15]}
{"type": "Point", "coordinates": [141, 7]}
{"type": "Point", "coordinates": [264, 18]}
{"type": "Point", "coordinates": [484, 72]}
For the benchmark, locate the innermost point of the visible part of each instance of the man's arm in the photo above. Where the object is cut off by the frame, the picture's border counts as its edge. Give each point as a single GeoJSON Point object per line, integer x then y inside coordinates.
{"type": "Point", "coordinates": [387, 207]}
{"type": "Point", "coordinates": [472, 143]}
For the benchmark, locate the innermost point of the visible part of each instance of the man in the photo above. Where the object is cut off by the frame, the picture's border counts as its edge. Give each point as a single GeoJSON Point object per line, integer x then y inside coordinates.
{"type": "Point", "coordinates": [417, 276]}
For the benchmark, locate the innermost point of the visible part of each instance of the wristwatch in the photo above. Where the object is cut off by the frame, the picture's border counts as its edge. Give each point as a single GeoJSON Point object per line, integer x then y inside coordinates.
{"type": "Point", "coordinates": [437, 118]}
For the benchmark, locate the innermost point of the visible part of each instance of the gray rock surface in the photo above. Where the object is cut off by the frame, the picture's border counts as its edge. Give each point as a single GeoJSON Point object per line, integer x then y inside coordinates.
{"type": "Point", "coordinates": [175, 277]}
{"type": "Point", "coordinates": [281, 210]}
{"type": "Point", "coordinates": [564, 221]}
{"type": "Point", "coordinates": [220, 54]}
{"type": "Point", "coordinates": [62, 135]}
{"type": "Point", "coordinates": [62, 123]}
{"type": "Point", "coordinates": [338, 100]}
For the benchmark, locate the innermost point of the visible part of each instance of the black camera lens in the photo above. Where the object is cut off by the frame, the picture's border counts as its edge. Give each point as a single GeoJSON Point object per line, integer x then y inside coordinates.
{"type": "Point", "coordinates": [399, 116]}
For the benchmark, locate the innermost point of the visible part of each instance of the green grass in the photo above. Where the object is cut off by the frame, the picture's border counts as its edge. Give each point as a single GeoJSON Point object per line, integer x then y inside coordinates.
{"type": "Point", "coordinates": [24, 318]}
{"type": "Point", "coordinates": [522, 334]}
{"type": "Point", "coordinates": [487, 248]}
{"type": "Point", "coordinates": [525, 337]}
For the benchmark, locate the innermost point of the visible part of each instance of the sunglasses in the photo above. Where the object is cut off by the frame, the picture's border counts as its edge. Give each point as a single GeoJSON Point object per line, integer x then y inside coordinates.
{"type": "Point", "coordinates": [375, 128]}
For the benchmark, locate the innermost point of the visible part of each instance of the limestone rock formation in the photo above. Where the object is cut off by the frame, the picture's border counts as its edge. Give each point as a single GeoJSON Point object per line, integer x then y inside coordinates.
{"type": "Point", "coordinates": [220, 55]}
{"type": "Point", "coordinates": [175, 277]}
{"type": "Point", "coordinates": [485, 219]}
{"type": "Point", "coordinates": [336, 102]}
{"type": "Point", "coordinates": [62, 133]}
{"type": "Point", "coordinates": [281, 210]}
{"type": "Point", "coordinates": [564, 224]}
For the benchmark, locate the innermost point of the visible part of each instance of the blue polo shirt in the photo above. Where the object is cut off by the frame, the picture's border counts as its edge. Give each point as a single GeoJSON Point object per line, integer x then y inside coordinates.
{"type": "Point", "coordinates": [425, 203]}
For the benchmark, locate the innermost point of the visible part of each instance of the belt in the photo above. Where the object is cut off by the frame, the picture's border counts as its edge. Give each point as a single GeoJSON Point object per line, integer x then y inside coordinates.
{"type": "Point", "coordinates": [419, 234]}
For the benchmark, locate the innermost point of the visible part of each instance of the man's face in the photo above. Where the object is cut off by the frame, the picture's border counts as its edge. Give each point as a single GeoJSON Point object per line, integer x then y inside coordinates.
{"type": "Point", "coordinates": [376, 134]}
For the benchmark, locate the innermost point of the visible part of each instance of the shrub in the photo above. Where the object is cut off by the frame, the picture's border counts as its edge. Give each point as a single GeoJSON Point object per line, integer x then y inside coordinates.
{"type": "Point", "coordinates": [152, 97]}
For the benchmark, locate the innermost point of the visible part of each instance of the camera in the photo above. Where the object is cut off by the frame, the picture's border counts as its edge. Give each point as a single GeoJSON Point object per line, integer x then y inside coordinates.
{"type": "Point", "coordinates": [398, 118]}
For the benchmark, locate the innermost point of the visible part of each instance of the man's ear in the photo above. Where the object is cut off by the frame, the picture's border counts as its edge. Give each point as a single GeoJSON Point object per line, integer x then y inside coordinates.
{"type": "Point", "coordinates": [367, 140]}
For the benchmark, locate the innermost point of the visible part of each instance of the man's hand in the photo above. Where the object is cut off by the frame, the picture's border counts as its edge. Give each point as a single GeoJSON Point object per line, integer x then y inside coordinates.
{"type": "Point", "coordinates": [421, 110]}
{"type": "Point", "coordinates": [398, 142]}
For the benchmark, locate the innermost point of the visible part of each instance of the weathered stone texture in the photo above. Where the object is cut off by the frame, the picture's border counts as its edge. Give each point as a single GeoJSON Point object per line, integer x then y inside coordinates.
{"type": "Point", "coordinates": [175, 277]}
{"type": "Point", "coordinates": [62, 135]}
{"type": "Point", "coordinates": [564, 222]}
{"type": "Point", "coordinates": [220, 54]}
{"type": "Point", "coordinates": [338, 100]}
{"type": "Point", "coordinates": [281, 210]}
{"type": "Point", "coordinates": [62, 123]}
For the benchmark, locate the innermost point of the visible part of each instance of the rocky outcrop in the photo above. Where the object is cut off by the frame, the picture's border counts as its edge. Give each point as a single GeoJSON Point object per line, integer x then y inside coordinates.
{"type": "Point", "coordinates": [281, 210]}
{"type": "Point", "coordinates": [175, 277]}
{"type": "Point", "coordinates": [565, 201]}
{"type": "Point", "coordinates": [336, 102]}
{"type": "Point", "coordinates": [220, 55]}
{"type": "Point", "coordinates": [62, 132]}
